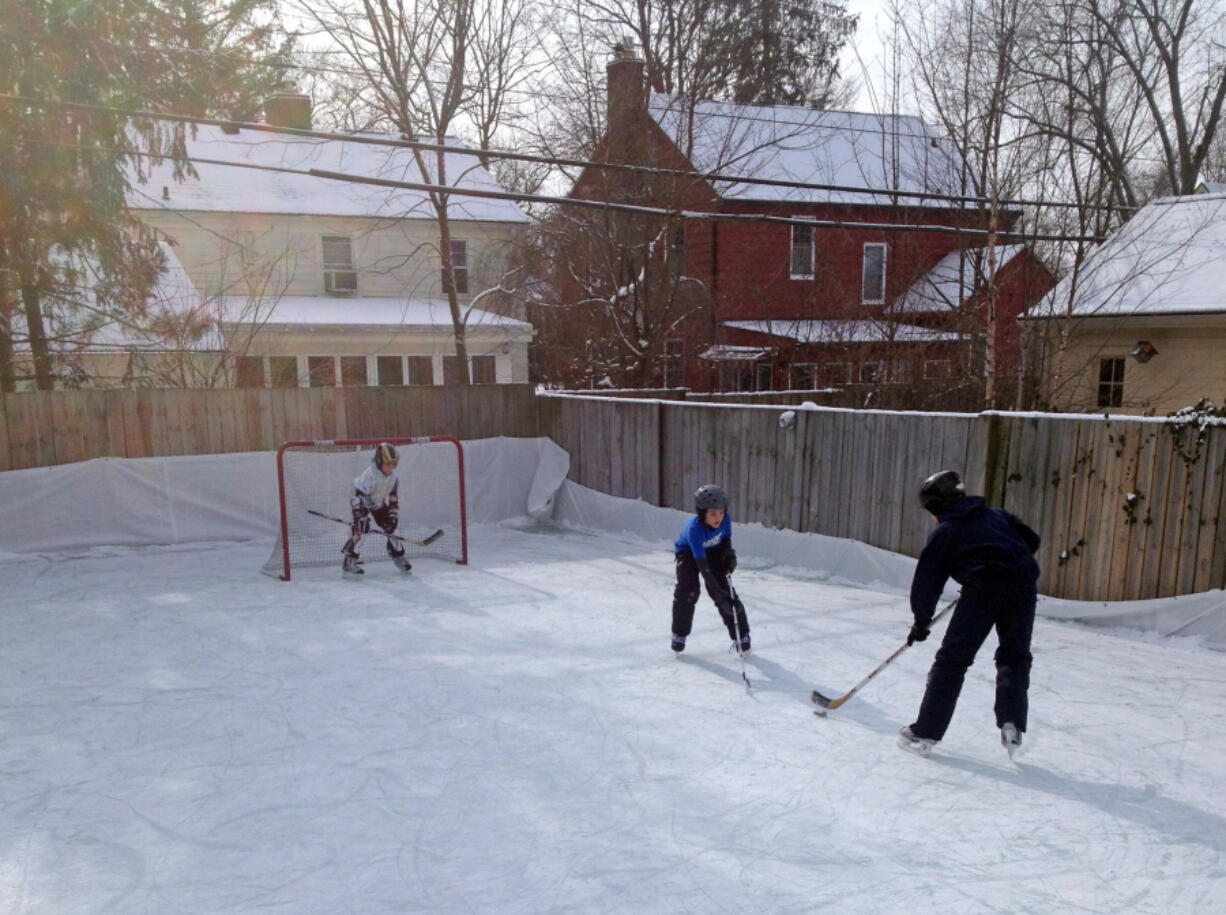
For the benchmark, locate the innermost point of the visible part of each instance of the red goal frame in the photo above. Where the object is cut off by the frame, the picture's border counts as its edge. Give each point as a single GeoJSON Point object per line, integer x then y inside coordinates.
{"type": "Point", "coordinates": [370, 443]}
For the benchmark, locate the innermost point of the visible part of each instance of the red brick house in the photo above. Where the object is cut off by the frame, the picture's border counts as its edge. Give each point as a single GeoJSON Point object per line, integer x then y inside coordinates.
{"type": "Point", "coordinates": [750, 304]}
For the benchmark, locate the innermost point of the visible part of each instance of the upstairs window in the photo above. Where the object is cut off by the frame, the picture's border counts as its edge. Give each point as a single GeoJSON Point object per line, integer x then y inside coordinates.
{"type": "Point", "coordinates": [872, 276]}
{"type": "Point", "coordinates": [1111, 382]}
{"type": "Point", "coordinates": [803, 257]}
{"type": "Point", "coordinates": [484, 370]}
{"type": "Point", "coordinates": [339, 276]}
{"type": "Point", "coordinates": [459, 266]}
{"type": "Point", "coordinates": [676, 252]}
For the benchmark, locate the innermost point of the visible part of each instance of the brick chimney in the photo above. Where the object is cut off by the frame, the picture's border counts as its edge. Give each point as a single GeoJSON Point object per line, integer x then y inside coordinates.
{"type": "Point", "coordinates": [627, 106]}
{"type": "Point", "coordinates": [288, 107]}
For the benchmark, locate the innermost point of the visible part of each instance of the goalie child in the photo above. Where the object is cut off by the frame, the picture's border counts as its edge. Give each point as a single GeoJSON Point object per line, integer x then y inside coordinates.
{"type": "Point", "coordinates": [704, 549]}
{"type": "Point", "coordinates": [375, 495]}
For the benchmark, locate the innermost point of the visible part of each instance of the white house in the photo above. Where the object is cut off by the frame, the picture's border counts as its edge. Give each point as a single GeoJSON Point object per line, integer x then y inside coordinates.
{"type": "Point", "coordinates": [1141, 328]}
{"type": "Point", "coordinates": [311, 281]}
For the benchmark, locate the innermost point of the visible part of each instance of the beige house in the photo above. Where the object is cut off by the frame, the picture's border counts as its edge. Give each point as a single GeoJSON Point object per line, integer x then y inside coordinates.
{"type": "Point", "coordinates": [1142, 327]}
{"type": "Point", "coordinates": [302, 280]}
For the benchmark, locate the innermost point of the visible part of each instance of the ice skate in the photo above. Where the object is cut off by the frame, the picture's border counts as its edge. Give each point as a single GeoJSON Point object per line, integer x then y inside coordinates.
{"type": "Point", "coordinates": [1010, 738]}
{"type": "Point", "coordinates": [402, 563]}
{"type": "Point", "coordinates": [920, 746]}
{"type": "Point", "coordinates": [741, 648]}
{"type": "Point", "coordinates": [352, 567]}
{"type": "Point", "coordinates": [678, 643]}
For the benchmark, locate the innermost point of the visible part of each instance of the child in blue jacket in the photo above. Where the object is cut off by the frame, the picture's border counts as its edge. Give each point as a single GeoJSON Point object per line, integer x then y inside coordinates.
{"type": "Point", "coordinates": [704, 549]}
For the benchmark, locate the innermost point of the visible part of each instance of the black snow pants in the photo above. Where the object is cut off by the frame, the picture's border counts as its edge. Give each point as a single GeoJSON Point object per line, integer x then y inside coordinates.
{"type": "Point", "coordinates": [1006, 603]}
{"type": "Point", "coordinates": [685, 595]}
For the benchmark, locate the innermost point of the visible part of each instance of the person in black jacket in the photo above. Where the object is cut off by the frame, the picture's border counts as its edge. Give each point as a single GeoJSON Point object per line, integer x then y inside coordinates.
{"type": "Point", "coordinates": [991, 554]}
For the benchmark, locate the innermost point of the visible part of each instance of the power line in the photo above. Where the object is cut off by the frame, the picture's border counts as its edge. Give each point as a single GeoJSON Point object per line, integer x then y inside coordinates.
{"type": "Point", "coordinates": [544, 160]}
{"type": "Point", "coordinates": [692, 215]}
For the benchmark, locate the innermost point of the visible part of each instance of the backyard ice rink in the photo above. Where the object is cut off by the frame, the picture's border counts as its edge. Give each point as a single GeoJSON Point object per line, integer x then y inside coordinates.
{"type": "Point", "coordinates": [181, 734]}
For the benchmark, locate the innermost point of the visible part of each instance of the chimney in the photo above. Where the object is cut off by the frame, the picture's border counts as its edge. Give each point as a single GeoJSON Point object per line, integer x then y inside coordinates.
{"type": "Point", "coordinates": [287, 107]}
{"type": "Point", "coordinates": [627, 106]}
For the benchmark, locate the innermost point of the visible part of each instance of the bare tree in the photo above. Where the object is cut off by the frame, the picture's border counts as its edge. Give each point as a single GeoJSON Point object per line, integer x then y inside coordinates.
{"type": "Point", "coordinates": [414, 62]}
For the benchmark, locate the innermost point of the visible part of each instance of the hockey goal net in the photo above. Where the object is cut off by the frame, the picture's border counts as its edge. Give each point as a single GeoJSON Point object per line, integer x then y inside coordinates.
{"type": "Point", "coordinates": [315, 483]}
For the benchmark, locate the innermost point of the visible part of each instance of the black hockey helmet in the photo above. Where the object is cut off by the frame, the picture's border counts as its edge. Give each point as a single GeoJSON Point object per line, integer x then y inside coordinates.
{"type": "Point", "coordinates": [940, 491]}
{"type": "Point", "coordinates": [710, 496]}
{"type": "Point", "coordinates": [386, 455]}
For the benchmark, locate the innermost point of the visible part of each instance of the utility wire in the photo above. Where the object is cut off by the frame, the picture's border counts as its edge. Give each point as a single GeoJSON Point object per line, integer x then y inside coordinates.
{"type": "Point", "coordinates": [530, 157]}
{"type": "Point", "coordinates": [693, 215]}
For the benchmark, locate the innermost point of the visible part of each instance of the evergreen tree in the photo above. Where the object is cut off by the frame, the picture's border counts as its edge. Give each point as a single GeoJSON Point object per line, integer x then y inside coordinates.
{"type": "Point", "coordinates": [65, 172]}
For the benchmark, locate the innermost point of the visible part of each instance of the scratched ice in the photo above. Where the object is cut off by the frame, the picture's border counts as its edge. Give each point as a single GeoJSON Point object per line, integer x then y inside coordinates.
{"type": "Point", "coordinates": [180, 734]}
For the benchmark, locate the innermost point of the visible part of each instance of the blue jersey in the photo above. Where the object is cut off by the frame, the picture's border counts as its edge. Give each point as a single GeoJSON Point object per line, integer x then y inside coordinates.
{"type": "Point", "coordinates": [696, 538]}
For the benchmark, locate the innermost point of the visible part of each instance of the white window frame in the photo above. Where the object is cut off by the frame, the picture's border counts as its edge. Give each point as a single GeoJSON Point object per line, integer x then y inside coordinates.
{"type": "Point", "coordinates": [812, 253]}
{"type": "Point", "coordinates": [459, 272]}
{"type": "Point", "coordinates": [885, 257]}
{"type": "Point", "coordinates": [767, 369]}
{"type": "Point", "coordinates": [811, 367]}
{"type": "Point", "coordinates": [930, 366]}
{"type": "Point", "coordinates": [879, 363]}
{"type": "Point", "coordinates": [846, 366]}
{"type": "Point", "coordinates": [1114, 388]}
{"type": "Point", "coordinates": [339, 272]}
{"type": "Point", "coordinates": [901, 371]}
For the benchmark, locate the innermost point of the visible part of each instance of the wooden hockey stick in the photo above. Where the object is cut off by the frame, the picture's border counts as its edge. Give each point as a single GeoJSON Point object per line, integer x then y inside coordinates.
{"type": "Point", "coordinates": [827, 704]}
{"type": "Point", "coordinates": [429, 540]}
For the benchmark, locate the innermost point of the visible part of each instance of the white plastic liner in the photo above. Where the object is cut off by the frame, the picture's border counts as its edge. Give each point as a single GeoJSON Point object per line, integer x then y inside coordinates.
{"type": "Point", "coordinates": [172, 500]}
{"type": "Point", "coordinates": [850, 562]}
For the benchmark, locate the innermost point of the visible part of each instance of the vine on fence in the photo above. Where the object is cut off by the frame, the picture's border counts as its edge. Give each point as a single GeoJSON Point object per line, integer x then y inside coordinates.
{"type": "Point", "coordinates": [1193, 423]}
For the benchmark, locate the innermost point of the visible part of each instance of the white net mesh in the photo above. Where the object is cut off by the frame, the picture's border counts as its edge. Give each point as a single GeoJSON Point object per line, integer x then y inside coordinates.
{"type": "Point", "coordinates": [319, 477]}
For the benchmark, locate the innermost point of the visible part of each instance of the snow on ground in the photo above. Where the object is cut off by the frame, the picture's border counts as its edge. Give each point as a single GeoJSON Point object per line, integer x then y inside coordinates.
{"type": "Point", "coordinates": [180, 734]}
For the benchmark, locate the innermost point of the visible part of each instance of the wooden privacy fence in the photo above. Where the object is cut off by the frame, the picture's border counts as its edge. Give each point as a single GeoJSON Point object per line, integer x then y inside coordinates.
{"type": "Point", "coordinates": [44, 428]}
{"type": "Point", "coordinates": [1128, 508]}
{"type": "Point", "coordinates": [1126, 511]}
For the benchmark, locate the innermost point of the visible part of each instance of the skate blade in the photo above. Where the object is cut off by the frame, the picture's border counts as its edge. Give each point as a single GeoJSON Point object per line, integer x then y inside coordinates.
{"type": "Point", "coordinates": [917, 747]}
{"type": "Point", "coordinates": [352, 576]}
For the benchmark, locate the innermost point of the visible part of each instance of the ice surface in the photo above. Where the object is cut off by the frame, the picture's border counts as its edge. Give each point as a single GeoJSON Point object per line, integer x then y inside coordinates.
{"type": "Point", "coordinates": [182, 734]}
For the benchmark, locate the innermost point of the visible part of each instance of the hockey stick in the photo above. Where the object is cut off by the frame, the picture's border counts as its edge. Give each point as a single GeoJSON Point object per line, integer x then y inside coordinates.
{"type": "Point", "coordinates": [736, 626]}
{"type": "Point", "coordinates": [429, 540]}
{"type": "Point", "coordinates": [827, 704]}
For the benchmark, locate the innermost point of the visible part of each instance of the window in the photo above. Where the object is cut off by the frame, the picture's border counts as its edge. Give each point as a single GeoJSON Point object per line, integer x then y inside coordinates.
{"type": "Point", "coordinates": [900, 371]}
{"type": "Point", "coordinates": [836, 373]}
{"type": "Point", "coordinates": [802, 376]}
{"type": "Point", "coordinates": [283, 371]}
{"type": "Point", "coordinates": [321, 371]}
{"type": "Point", "coordinates": [674, 351]}
{"type": "Point", "coordinates": [936, 369]}
{"type": "Point", "coordinates": [390, 370]}
{"type": "Point", "coordinates": [802, 258]}
{"type": "Point", "coordinates": [735, 375]}
{"type": "Point", "coordinates": [451, 370]}
{"type": "Point", "coordinates": [676, 253]}
{"type": "Point", "coordinates": [353, 371]}
{"type": "Point", "coordinates": [766, 376]}
{"type": "Point", "coordinates": [872, 277]}
{"type": "Point", "coordinates": [249, 372]}
{"type": "Point", "coordinates": [421, 370]}
{"type": "Point", "coordinates": [1111, 382]}
{"type": "Point", "coordinates": [339, 276]}
{"type": "Point", "coordinates": [871, 372]}
{"type": "Point", "coordinates": [459, 266]}
{"type": "Point", "coordinates": [483, 368]}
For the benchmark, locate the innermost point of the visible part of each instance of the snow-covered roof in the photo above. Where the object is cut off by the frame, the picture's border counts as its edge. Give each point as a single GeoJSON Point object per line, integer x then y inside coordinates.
{"type": "Point", "coordinates": [792, 143]}
{"type": "Point", "coordinates": [79, 323]}
{"type": "Point", "coordinates": [845, 331]}
{"type": "Point", "coordinates": [723, 352]}
{"type": "Point", "coordinates": [223, 188]}
{"type": "Point", "coordinates": [952, 281]}
{"type": "Point", "coordinates": [372, 312]}
{"type": "Point", "coordinates": [1170, 258]}
{"type": "Point", "coordinates": [1211, 187]}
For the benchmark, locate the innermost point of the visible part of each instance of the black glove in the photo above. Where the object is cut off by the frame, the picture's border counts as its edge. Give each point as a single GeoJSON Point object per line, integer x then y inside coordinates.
{"type": "Point", "coordinates": [719, 593]}
{"type": "Point", "coordinates": [730, 561]}
{"type": "Point", "coordinates": [919, 632]}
